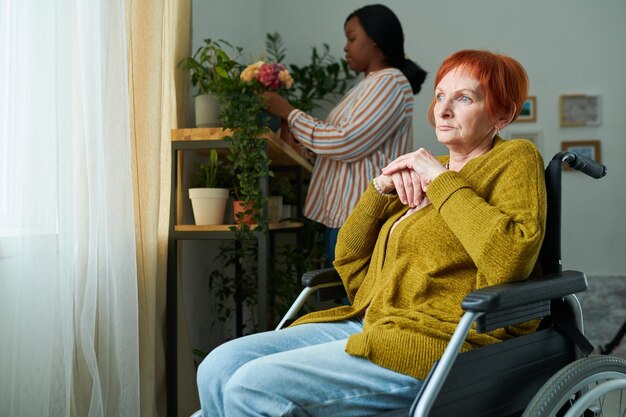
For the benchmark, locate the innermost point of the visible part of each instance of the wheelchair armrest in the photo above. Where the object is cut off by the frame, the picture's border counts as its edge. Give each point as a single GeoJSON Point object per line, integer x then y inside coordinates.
{"type": "Point", "coordinates": [515, 294]}
{"type": "Point", "coordinates": [323, 282]}
{"type": "Point", "coordinates": [320, 276]}
{"type": "Point", "coordinates": [330, 282]}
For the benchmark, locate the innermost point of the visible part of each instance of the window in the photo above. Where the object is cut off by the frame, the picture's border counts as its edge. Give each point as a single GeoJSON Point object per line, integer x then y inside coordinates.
{"type": "Point", "coordinates": [7, 168]}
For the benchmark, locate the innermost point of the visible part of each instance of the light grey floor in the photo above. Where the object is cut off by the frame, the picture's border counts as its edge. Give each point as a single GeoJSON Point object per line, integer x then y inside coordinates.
{"type": "Point", "coordinates": [604, 310]}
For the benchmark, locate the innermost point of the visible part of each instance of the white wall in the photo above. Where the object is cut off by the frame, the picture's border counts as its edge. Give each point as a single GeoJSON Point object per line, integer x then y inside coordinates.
{"type": "Point", "coordinates": [236, 21]}
{"type": "Point", "coordinates": [572, 46]}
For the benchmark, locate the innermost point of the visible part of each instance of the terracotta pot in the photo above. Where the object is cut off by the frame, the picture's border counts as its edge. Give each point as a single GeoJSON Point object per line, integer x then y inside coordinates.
{"type": "Point", "coordinates": [239, 207]}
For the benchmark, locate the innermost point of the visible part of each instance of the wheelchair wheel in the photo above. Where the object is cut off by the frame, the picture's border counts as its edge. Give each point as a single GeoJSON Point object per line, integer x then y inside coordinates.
{"type": "Point", "coordinates": [565, 387]}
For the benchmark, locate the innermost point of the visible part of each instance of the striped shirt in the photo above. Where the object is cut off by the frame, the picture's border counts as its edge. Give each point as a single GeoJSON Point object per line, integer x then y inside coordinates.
{"type": "Point", "coordinates": [371, 126]}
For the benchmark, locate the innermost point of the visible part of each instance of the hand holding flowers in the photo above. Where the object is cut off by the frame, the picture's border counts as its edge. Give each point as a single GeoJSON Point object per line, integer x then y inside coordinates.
{"type": "Point", "coordinates": [270, 79]}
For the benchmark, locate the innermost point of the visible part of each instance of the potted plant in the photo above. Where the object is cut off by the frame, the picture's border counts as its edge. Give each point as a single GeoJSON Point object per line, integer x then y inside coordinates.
{"type": "Point", "coordinates": [209, 66]}
{"type": "Point", "coordinates": [244, 212]}
{"type": "Point", "coordinates": [242, 103]}
{"type": "Point", "coordinates": [209, 193]}
{"type": "Point", "coordinates": [281, 187]}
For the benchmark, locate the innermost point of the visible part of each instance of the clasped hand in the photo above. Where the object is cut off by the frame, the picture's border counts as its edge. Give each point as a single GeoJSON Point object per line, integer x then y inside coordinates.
{"type": "Point", "coordinates": [409, 175]}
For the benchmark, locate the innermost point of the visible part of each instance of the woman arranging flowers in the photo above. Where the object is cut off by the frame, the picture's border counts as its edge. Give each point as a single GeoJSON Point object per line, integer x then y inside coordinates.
{"type": "Point", "coordinates": [371, 126]}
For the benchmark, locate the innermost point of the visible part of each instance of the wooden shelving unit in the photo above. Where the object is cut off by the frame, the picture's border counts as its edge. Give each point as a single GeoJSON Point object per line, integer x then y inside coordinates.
{"type": "Point", "coordinates": [280, 153]}
{"type": "Point", "coordinates": [283, 157]}
{"type": "Point", "coordinates": [226, 227]}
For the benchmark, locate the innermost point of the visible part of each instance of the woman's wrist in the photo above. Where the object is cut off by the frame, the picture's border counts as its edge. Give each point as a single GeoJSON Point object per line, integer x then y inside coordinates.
{"type": "Point", "coordinates": [284, 110]}
{"type": "Point", "coordinates": [382, 188]}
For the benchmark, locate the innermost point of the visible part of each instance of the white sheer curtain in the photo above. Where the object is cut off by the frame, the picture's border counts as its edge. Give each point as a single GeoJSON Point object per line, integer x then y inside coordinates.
{"type": "Point", "coordinates": [68, 280]}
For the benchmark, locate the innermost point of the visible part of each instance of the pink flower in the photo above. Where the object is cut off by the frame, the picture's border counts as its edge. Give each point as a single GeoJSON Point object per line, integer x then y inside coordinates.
{"type": "Point", "coordinates": [271, 75]}
{"type": "Point", "coordinates": [268, 75]}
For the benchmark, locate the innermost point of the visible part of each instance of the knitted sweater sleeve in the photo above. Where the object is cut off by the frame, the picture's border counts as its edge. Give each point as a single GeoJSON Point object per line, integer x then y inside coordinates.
{"type": "Point", "coordinates": [503, 227]}
{"type": "Point", "coordinates": [354, 253]}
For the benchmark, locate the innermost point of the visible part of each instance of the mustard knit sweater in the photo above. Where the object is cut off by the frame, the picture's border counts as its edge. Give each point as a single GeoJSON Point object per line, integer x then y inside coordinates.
{"type": "Point", "coordinates": [484, 226]}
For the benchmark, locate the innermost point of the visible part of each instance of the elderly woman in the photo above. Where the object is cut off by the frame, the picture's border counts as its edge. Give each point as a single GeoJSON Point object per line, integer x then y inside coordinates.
{"type": "Point", "coordinates": [427, 231]}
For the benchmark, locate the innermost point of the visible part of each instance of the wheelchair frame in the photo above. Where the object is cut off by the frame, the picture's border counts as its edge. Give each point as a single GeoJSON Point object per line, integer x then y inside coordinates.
{"type": "Point", "coordinates": [558, 346]}
{"type": "Point", "coordinates": [543, 374]}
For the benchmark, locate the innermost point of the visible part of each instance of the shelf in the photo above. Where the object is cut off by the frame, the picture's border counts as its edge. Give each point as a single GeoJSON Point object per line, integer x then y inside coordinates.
{"type": "Point", "coordinates": [285, 160]}
{"type": "Point", "coordinates": [226, 227]}
{"type": "Point", "coordinates": [280, 153]}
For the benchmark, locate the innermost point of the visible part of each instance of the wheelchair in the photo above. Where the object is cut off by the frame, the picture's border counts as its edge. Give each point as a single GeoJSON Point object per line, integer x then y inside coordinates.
{"type": "Point", "coordinates": [548, 373]}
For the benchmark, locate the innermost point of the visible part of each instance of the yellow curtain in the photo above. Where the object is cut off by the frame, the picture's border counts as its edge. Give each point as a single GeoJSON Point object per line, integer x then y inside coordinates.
{"type": "Point", "coordinates": [158, 35]}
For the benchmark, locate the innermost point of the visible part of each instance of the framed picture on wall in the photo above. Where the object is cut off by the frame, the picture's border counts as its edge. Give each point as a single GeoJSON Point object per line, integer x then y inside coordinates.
{"type": "Point", "coordinates": [580, 110]}
{"type": "Point", "coordinates": [588, 148]}
{"type": "Point", "coordinates": [529, 110]}
{"type": "Point", "coordinates": [532, 135]}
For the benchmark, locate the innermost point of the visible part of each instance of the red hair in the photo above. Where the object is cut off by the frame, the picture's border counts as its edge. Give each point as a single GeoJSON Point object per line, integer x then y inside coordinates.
{"type": "Point", "coordinates": [502, 78]}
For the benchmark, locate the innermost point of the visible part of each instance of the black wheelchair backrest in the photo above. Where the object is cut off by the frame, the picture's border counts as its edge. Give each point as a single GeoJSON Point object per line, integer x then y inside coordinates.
{"type": "Point", "coordinates": [550, 255]}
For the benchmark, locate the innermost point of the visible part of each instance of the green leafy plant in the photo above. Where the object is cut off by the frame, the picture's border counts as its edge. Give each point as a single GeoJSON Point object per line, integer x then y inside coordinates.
{"type": "Point", "coordinates": [213, 174]}
{"type": "Point", "coordinates": [238, 288]}
{"type": "Point", "coordinates": [284, 285]}
{"type": "Point", "coordinates": [284, 279]}
{"type": "Point", "coordinates": [248, 149]}
{"type": "Point", "coordinates": [274, 47]}
{"type": "Point", "coordinates": [210, 65]}
{"type": "Point", "coordinates": [281, 185]}
{"type": "Point", "coordinates": [241, 105]}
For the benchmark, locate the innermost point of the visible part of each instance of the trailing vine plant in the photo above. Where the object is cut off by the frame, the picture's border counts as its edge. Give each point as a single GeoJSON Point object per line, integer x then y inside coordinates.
{"type": "Point", "coordinates": [242, 114]}
{"type": "Point", "coordinates": [240, 110]}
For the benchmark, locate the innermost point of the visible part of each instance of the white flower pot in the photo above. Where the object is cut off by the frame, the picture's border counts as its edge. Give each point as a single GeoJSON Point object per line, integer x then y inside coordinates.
{"type": "Point", "coordinates": [207, 111]}
{"type": "Point", "coordinates": [208, 205]}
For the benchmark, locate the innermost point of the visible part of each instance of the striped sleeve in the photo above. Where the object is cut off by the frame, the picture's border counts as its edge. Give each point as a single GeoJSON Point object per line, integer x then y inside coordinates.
{"type": "Point", "coordinates": [361, 122]}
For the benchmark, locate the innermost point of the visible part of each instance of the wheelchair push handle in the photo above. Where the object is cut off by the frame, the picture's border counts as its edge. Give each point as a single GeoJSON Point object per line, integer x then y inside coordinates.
{"type": "Point", "coordinates": [583, 164]}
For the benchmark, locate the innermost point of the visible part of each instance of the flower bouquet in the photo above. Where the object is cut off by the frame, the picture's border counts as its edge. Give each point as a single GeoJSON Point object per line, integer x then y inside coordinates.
{"type": "Point", "coordinates": [266, 76]}
{"type": "Point", "coordinates": [269, 76]}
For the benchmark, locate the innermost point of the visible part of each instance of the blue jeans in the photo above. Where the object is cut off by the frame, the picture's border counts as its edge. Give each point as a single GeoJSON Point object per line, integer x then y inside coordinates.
{"type": "Point", "coordinates": [331, 242]}
{"type": "Point", "coordinates": [299, 371]}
